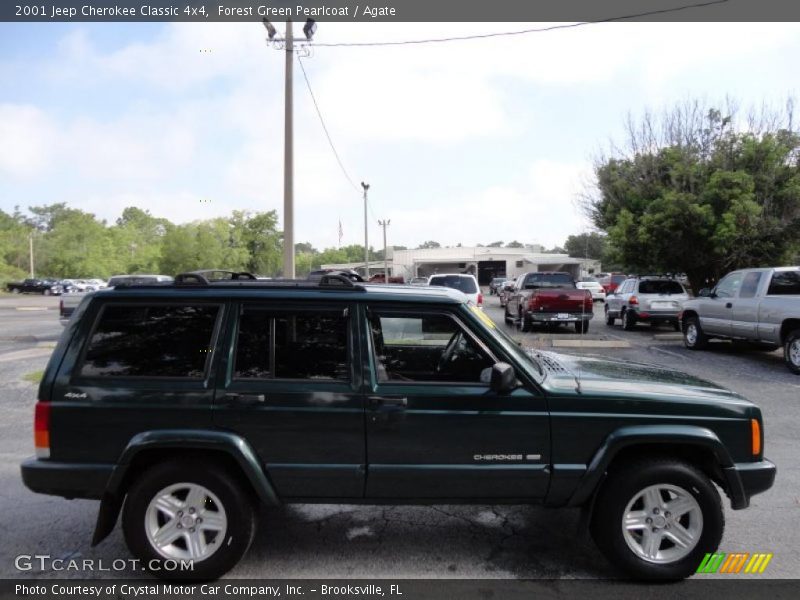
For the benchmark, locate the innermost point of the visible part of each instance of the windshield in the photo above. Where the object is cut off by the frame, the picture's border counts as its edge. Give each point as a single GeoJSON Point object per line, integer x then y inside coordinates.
{"type": "Point", "coordinates": [660, 287]}
{"type": "Point", "coordinates": [549, 280]}
{"type": "Point", "coordinates": [457, 282]}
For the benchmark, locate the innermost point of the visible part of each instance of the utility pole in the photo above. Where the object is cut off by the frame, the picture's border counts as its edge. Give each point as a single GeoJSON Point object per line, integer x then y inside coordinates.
{"type": "Point", "coordinates": [385, 224]}
{"type": "Point", "coordinates": [288, 160]}
{"type": "Point", "coordinates": [30, 245]}
{"type": "Point", "coordinates": [366, 235]}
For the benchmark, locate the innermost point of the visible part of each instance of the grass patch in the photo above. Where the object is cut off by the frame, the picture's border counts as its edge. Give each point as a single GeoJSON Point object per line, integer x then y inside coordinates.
{"type": "Point", "coordinates": [34, 377]}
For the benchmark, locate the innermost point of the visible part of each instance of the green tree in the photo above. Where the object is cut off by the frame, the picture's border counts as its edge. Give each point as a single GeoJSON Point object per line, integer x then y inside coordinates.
{"type": "Point", "coordinates": [586, 245]}
{"type": "Point", "coordinates": [429, 244]}
{"type": "Point", "coordinates": [515, 244]}
{"type": "Point", "coordinates": [702, 193]}
{"type": "Point", "coordinates": [495, 245]}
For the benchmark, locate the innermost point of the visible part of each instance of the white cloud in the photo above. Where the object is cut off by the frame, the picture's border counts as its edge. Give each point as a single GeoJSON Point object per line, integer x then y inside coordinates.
{"type": "Point", "coordinates": [26, 136]}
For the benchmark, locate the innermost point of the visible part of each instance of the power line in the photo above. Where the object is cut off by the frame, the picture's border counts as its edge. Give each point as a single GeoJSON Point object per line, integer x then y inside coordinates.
{"type": "Point", "coordinates": [521, 31]}
{"type": "Point", "coordinates": [324, 127]}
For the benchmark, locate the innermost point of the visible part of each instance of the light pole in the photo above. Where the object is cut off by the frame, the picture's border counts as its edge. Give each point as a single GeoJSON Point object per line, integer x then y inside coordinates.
{"type": "Point", "coordinates": [287, 44]}
{"type": "Point", "coordinates": [366, 235]}
{"type": "Point", "coordinates": [30, 248]}
{"type": "Point", "coordinates": [385, 224]}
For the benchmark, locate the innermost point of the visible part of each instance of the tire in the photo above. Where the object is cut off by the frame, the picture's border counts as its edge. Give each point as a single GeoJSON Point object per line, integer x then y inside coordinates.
{"type": "Point", "coordinates": [647, 487]}
{"type": "Point", "coordinates": [609, 319]}
{"type": "Point", "coordinates": [693, 336]}
{"type": "Point", "coordinates": [224, 500]}
{"type": "Point", "coordinates": [15, 291]}
{"type": "Point", "coordinates": [791, 351]}
{"type": "Point", "coordinates": [581, 326]}
{"type": "Point", "coordinates": [523, 323]}
{"type": "Point", "coordinates": [628, 322]}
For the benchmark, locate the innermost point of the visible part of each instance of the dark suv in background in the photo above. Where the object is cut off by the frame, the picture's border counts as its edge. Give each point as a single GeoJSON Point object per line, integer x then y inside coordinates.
{"type": "Point", "coordinates": [186, 405]}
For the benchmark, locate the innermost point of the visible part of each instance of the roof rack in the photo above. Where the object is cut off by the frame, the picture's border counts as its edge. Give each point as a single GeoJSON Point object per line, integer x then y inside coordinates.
{"type": "Point", "coordinates": [245, 279]}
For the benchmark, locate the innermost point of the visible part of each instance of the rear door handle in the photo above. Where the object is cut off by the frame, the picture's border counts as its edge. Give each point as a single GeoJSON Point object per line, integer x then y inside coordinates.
{"type": "Point", "coordinates": [244, 399]}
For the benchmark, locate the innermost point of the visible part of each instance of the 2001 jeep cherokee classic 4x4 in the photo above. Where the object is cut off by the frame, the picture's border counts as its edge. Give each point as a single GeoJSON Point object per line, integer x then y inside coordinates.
{"type": "Point", "coordinates": [195, 401]}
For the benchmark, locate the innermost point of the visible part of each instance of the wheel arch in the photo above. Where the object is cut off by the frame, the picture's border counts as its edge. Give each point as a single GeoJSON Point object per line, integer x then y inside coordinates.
{"type": "Point", "coordinates": [787, 327]}
{"type": "Point", "coordinates": [149, 448]}
{"type": "Point", "coordinates": [695, 445]}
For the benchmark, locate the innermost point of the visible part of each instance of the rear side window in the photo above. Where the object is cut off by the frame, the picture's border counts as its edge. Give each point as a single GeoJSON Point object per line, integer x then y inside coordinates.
{"type": "Point", "coordinates": [462, 284]}
{"type": "Point", "coordinates": [785, 283]}
{"type": "Point", "coordinates": [285, 345]}
{"type": "Point", "coordinates": [660, 287]}
{"type": "Point", "coordinates": [151, 341]}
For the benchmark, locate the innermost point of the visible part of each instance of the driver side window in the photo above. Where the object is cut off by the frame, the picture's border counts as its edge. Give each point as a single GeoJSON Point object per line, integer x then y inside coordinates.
{"type": "Point", "coordinates": [426, 348]}
{"type": "Point", "coordinates": [729, 286]}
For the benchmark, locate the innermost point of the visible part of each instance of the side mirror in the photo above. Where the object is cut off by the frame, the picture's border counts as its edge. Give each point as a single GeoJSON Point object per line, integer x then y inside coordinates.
{"type": "Point", "coordinates": [704, 293]}
{"type": "Point", "coordinates": [504, 379]}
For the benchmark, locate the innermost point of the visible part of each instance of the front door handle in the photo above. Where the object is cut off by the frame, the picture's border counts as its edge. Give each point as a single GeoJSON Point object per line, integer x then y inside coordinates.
{"type": "Point", "coordinates": [396, 403]}
{"type": "Point", "coordinates": [729, 305]}
{"type": "Point", "coordinates": [244, 399]}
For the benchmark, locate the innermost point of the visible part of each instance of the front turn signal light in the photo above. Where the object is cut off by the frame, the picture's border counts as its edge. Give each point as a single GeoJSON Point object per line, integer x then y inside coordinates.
{"type": "Point", "coordinates": [755, 442]}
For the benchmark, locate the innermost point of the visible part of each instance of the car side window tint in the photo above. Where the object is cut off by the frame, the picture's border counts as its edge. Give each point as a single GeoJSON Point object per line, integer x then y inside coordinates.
{"type": "Point", "coordinates": [426, 348]}
{"type": "Point", "coordinates": [729, 285]}
{"type": "Point", "coordinates": [785, 283]}
{"type": "Point", "coordinates": [292, 345]}
{"type": "Point", "coordinates": [151, 341]}
{"type": "Point", "coordinates": [750, 284]}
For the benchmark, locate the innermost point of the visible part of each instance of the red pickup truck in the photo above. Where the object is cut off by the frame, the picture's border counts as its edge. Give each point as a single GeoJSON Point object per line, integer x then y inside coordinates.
{"type": "Point", "coordinates": [548, 298]}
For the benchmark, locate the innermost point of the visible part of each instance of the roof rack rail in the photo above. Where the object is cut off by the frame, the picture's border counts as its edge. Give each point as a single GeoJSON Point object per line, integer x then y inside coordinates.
{"type": "Point", "coordinates": [206, 276]}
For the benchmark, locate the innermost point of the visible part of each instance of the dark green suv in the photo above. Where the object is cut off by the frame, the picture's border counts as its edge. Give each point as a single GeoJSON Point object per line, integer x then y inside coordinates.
{"type": "Point", "coordinates": [186, 405]}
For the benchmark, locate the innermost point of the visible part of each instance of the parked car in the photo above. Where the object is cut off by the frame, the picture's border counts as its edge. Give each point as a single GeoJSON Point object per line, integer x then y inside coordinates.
{"type": "Point", "coordinates": [505, 291]}
{"type": "Point", "coordinates": [598, 293]}
{"type": "Point", "coordinates": [199, 400]}
{"type": "Point", "coordinates": [420, 281]}
{"type": "Point", "coordinates": [381, 278]}
{"type": "Point", "coordinates": [612, 281]}
{"type": "Point", "coordinates": [548, 298]}
{"type": "Point", "coordinates": [495, 283]}
{"type": "Point", "coordinates": [759, 306]}
{"type": "Point", "coordinates": [46, 287]}
{"type": "Point", "coordinates": [69, 302]}
{"type": "Point", "coordinates": [351, 274]}
{"type": "Point", "coordinates": [463, 282]}
{"type": "Point", "coordinates": [651, 300]}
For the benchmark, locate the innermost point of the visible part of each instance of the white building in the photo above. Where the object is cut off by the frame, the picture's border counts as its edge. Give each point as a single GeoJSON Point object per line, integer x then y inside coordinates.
{"type": "Point", "coordinates": [485, 263]}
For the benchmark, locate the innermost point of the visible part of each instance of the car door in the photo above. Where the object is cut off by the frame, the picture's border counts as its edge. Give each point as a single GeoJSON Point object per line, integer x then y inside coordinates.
{"type": "Point", "coordinates": [614, 299]}
{"type": "Point", "coordinates": [744, 321]}
{"type": "Point", "coordinates": [291, 387]}
{"type": "Point", "coordinates": [435, 429]}
{"type": "Point", "coordinates": [716, 311]}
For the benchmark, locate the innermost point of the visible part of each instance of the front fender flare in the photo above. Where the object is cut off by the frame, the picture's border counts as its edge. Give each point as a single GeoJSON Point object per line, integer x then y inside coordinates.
{"type": "Point", "coordinates": [225, 442]}
{"type": "Point", "coordinates": [625, 437]}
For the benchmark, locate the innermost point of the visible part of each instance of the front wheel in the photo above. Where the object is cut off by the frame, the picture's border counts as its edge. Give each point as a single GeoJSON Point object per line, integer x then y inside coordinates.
{"type": "Point", "coordinates": [693, 336]}
{"type": "Point", "coordinates": [657, 518]}
{"type": "Point", "coordinates": [188, 511]}
{"type": "Point", "coordinates": [15, 291]}
{"type": "Point", "coordinates": [46, 292]}
{"type": "Point", "coordinates": [791, 351]}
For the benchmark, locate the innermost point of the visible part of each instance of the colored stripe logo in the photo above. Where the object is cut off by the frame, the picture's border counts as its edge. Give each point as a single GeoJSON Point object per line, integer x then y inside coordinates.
{"type": "Point", "coordinates": [735, 563]}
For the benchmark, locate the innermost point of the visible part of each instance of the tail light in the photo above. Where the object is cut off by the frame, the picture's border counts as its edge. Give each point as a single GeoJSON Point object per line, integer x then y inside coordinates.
{"type": "Point", "coordinates": [535, 302]}
{"type": "Point", "coordinates": [41, 429]}
{"type": "Point", "coordinates": [633, 300]}
{"type": "Point", "coordinates": [588, 300]}
{"type": "Point", "coordinates": [480, 299]}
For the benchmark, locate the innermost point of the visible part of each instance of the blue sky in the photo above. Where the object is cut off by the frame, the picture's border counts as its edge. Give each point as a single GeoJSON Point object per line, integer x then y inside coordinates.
{"type": "Point", "coordinates": [462, 143]}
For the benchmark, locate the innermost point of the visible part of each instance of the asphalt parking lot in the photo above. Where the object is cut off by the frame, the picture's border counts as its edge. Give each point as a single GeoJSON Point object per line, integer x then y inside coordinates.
{"type": "Point", "coordinates": [314, 541]}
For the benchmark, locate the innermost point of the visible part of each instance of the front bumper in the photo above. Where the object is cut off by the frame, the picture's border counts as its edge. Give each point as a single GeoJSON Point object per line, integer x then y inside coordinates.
{"type": "Point", "coordinates": [748, 479]}
{"type": "Point", "coordinates": [70, 480]}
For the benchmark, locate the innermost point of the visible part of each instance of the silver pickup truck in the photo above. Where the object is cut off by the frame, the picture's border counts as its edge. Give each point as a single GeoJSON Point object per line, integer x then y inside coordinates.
{"type": "Point", "coordinates": [760, 306]}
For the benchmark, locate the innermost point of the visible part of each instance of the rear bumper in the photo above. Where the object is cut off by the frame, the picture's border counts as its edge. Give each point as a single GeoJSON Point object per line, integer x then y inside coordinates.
{"type": "Point", "coordinates": [657, 315]}
{"type": "Point", "coordinates": [554, 317]}
{"type": "Point", "coordinates": [70, 480]}
{"type": "Point", "coordinates": [748, 479]}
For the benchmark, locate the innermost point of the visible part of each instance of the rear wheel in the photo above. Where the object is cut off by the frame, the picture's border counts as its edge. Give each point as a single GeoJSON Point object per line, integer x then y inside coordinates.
{"type": "Point", "coordinates": [15, 291]}
{"type": "Point", "coordinates": [188, 510]}
{"type": "Point", "coordinates": [609, 319]}
{"type": "Point", "coordinates": [693, 336]}
{"type": "Point", "coordinates": [628, 320]}
{"type": "Point", "coordinates": [791, 351]}
{"type": "Point", "coordinates": [657, 518]}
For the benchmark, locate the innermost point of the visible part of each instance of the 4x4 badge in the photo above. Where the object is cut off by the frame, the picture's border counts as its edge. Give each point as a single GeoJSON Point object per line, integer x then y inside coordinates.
{"type": "Point", "coordinates": [74, 395]}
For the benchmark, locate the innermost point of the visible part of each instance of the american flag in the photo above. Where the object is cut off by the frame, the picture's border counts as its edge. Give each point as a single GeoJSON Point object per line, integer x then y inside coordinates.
{"type": "Point", "coordinates": [341, 233]}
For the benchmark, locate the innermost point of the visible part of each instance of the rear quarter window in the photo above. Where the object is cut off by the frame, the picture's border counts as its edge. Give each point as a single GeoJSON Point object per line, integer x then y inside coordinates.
{"type": "Point", "coordinates": [144, 340]}
{"type": "Point", "coordinates": [785, 283]}
{"type": "Point", "coordinates": [462, 284]}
